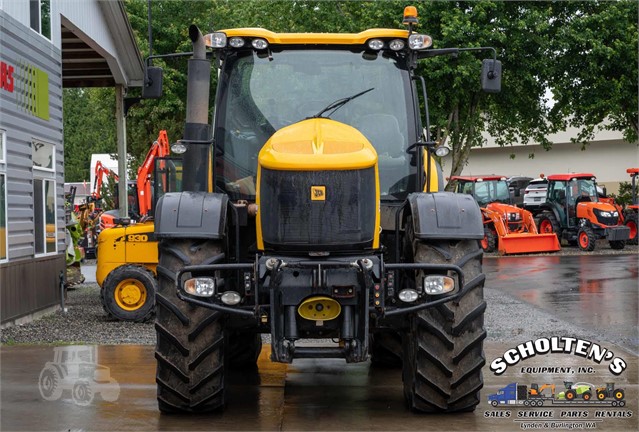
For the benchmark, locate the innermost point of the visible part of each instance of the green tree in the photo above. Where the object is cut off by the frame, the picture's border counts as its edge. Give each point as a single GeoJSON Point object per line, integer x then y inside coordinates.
{"type": "Point", "coordinates": [584, 53]}
{"type": "Point", "coordinates": [89, 127]}
{"type": "Point", "coordinates": [594, 66]}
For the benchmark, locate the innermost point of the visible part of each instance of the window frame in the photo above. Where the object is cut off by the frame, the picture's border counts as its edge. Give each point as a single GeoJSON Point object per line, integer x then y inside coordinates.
{"type": "Point", "coordinates": [3, 148]}
{"type": "Point", "coordinates": [44, 218]}
{"type": "Point", "coordinates": [35, 141]}
{"type": "Point", "coordinates": [39, 18]}
{"type": "Point", "coordinates": [3, 179]}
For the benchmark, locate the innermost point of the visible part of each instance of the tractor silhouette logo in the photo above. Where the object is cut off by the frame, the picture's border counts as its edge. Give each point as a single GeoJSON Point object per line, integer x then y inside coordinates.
{"type": "Point", "coordinates": [75, 368]}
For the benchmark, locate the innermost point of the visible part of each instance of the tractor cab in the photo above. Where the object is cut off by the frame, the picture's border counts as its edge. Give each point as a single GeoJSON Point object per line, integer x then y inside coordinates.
{"type": "Point", "coordinates": [485, 189]}
{"type": "Point", "coordinates": [573, 211]}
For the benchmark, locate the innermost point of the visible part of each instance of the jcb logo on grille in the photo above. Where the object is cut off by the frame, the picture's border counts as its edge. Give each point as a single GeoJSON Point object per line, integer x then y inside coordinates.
{"type": "Point", "coordinates": [318, 193]}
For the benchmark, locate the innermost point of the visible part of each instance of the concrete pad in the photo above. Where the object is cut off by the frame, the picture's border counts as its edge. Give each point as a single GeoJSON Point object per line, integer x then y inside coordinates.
{"type": "Point", "coordinates": [307, 395]}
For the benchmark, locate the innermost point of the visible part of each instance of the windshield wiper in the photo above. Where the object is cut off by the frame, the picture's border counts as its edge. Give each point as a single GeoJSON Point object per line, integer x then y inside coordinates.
{"type": "Point", "coordinates": [338, 104]}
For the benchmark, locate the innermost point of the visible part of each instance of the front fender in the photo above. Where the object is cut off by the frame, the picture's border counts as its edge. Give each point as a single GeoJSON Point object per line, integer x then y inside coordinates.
{"type": "Point", "coordinates": [191, 215]}
{"type": "Point", "coordinates": [446, 215]}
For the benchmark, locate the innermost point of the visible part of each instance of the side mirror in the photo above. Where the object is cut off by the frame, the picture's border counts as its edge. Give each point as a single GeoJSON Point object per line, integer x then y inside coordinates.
{"type": "Point", "coordinates": [491, 76]}
{"type": "Point", "coordinates": [152, 83]}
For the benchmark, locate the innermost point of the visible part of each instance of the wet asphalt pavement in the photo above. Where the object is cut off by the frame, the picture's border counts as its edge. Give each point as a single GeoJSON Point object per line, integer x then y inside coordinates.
{"type": "Point", "coordinates": [592, 297]}
{"type": "Point", "coordinates": [595, 292]}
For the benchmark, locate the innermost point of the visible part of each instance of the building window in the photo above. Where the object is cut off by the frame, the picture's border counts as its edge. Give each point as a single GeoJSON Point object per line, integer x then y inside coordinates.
{"type": "Point", "coordinates": [3, 147]}
{"type": "Point", "coordinates": [3, 219]}
{"type": "Point", "coordinates": [43, 155]}
{"type": "Point", "coordinates": [44, 216]}
{"type": "Point", "coordinates": [40, 17]}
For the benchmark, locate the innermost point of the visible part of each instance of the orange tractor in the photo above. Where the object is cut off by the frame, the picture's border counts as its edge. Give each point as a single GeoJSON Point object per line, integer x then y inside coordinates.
{"type": "Point", "coordinates": [628, 216]}
{"type": "Point", "coordinates": [507, 228]}
{"type": "Point", "coordinates": [574, 212]}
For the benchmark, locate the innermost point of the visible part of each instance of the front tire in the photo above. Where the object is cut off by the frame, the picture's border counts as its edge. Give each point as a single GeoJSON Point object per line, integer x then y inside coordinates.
{"type": "Point", "coordinates": [489, 242]}
{"type": "Point", "coordinates": [190, 340]}
{"type": "Point", "coordinates": [631, 222]}
{"type": "Point", "coordinates": [128, 293]}
{"type": "Point", "coordinates": [586, 239]}
{"type": "Point", "coordinates": [548, 224]}
{"type": "Point", "coordinates": [443, 348]}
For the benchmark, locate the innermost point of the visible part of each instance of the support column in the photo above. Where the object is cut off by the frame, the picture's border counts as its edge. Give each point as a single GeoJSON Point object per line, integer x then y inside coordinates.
{"type": "Point", "coordinates": [120, 122]}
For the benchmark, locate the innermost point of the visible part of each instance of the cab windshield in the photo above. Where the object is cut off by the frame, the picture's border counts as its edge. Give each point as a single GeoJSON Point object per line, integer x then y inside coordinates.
{"type": "Point", "coordinates": [262, 93]}
{"type": "Point", "coordinates": [582, 190]}
{"type": "Point", "coordinates": [492, 191]}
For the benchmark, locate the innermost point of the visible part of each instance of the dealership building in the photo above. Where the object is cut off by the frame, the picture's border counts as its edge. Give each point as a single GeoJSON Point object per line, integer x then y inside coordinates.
{"type": "Point", "coordinates": [46, 46]}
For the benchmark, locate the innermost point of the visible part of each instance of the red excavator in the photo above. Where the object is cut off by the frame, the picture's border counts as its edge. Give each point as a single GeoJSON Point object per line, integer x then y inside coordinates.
{"type": "Point", "coordinates": [140, 191]}
{"type": "Point", "coordinates": [507, 228]}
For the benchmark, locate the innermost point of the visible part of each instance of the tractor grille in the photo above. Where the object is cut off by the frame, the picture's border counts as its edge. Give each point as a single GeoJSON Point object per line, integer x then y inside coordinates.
{"type": "Point", "coordinates": [317, 210]}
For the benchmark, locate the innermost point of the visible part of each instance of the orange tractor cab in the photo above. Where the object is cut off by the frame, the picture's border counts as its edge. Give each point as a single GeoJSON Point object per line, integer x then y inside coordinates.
{"type": "Point", "coordinates": [507, 228]}
{"type": "Point", "coordinates": [574, 212]}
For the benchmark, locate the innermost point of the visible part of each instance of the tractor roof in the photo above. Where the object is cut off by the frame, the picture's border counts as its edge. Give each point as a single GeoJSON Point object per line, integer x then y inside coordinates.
{"type": "Point", "coordinates": [568, 177]}
{"type": "Point", "coordinates": [478, 178]}
{"type": "Point", "coordinates": [633, 171]}
{"type": "Point", "coordinates": [316, 38]}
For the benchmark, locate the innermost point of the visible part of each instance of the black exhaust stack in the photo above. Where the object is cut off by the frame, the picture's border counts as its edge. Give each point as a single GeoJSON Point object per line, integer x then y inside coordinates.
{"type": "Point", "coordinates": [196, 159]}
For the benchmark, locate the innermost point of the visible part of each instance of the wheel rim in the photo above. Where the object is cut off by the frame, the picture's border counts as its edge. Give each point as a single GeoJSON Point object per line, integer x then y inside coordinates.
{"type": "Point", "coordinates": [484, 242]}
{"type": "Point", "coordinates": [570, 396]}
{"type": "Point", "coordinates": [618, 395]}
{"type": "Point", "coordinates": [545, 226]}
{"type": "Point", "coordinates": [633, 229]}
{"type": "Point", "coordinates": [586, 396]}
{"type": "Point", "coordinates": [48, 383]}
{"type": "Point", "coordinates": [583, 239]}
{"type": "Point", "coordinates": [130, 294]}
{"type": "Point", "coordinates": [601, 396]}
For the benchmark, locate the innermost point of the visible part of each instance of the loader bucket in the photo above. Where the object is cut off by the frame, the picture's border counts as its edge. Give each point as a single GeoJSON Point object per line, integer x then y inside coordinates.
{"type": "Point", "coordinates": [528, 243]}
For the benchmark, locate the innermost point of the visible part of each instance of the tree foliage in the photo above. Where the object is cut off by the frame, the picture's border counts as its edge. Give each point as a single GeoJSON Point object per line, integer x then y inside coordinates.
{"type": "Point", "coordinates": [582, 53]}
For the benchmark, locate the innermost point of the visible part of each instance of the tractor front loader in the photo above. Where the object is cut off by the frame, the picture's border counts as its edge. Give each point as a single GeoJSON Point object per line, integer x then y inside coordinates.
{"type": "Point", "coordinates": [507, 228]}
{"type": "Point", "coordinates": [310, 211]}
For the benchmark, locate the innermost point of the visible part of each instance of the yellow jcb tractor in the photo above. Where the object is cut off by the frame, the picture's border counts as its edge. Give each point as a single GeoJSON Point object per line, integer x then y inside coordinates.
{"type": "Point", "coordinates": [310, 211]}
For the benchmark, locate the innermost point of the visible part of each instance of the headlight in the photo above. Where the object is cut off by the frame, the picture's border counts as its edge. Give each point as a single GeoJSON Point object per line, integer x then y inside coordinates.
{"type": "Point", "coordinates": [215, 40]}
{"type": "Point", "coordinates": [396, 44]}
{"type": "Point", "coordinates": [259, 44]}
{"type": "Point", "coordinates": [435, 284]}
{"type": "Point", "coordinates": [236, 42]}
{"type": "Point", "coordinates": [231, 298]}
{"type": "Point", "coordinates": [201, 286]}
{"type": "Point", "coordinates": [605, 214]}
{"type": "Point", "coordinates": [375, 44]}
{"type": "Point", "coordinates": [408, 295]}
{"type": "Point", "coordinates": [514, 216]}
{"type": "Point", "coordinates": [178, 147]}
{"type": "Point", "coordinates": [419, 41]}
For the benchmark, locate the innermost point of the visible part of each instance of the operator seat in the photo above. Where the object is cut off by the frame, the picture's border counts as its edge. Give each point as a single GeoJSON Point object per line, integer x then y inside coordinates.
{"type": "Point", "coordinates": [382, 130]}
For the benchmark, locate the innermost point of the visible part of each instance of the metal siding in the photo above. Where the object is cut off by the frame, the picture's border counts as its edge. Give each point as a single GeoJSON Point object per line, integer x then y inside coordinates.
{"type": "Point", "coordinates": [40, 276]}
{"type": "Point", "coordinates": [29, 284]}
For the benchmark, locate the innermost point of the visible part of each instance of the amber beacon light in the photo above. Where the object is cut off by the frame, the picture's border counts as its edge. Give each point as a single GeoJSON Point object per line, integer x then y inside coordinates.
{"type": "Point", "coordinates": [410, 15]}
